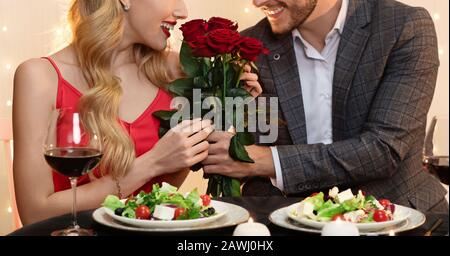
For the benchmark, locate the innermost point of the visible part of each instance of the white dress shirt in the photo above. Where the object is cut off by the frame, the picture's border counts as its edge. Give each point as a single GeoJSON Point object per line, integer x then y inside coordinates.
{"type": "Point", "coordinates": [316, 70]}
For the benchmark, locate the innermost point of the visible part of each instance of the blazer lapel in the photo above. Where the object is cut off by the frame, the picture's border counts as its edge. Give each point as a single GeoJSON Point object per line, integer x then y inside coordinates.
{"type": "Point", "coordinates": [283, 65]}
{"type": "Point", "coordinates": [353, 42]}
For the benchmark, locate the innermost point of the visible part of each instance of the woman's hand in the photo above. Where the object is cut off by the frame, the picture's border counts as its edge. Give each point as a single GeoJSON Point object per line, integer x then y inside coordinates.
{"type": "Point", "coordinates": [251, 81]}
{"type": "Point", "coordinates": [182, 147]}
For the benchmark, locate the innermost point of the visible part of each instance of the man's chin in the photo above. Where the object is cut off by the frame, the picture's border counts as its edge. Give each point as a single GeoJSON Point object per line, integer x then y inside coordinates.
{"type": "Point", "coordinates": [276, 30]}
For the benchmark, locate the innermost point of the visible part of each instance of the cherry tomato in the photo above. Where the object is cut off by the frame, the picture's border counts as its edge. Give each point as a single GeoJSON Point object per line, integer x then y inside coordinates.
{"type": "Point", "coordinates": [338, 217]}
{"type": "Point", "coordinates": [143, 212]}
{"type": "Point", "coordinates": [206, 199]}
{"type": "Point", "coordinates": [385, 203]}
{"type": "Point", "coordinates": [179, 212]}
{"type": "Point", "coordinates": [380, 216]}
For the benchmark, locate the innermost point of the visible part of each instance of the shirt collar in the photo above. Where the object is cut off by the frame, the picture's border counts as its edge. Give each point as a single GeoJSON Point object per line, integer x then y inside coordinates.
{"type": "Point", "coordinates": [340, 21]}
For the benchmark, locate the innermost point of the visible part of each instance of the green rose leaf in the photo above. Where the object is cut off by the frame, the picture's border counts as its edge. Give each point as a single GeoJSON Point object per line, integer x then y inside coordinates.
{"type": "Point", "coordinates": [245, 138]}
{"type": "Point", "coordinates": [238, 152]}
{"type": "Point", "coordinates": [235, 187]}
{"type": "Point", "coordinates": [164, 117]}
{"type": "Point", "coordinates": [201, 82]}
{"type": "Point", "coordinates": [238, 92]}
{"type": "Point", "coordinates": [189, 63]}
{"type": "Point", "coordinates": [182, 87]}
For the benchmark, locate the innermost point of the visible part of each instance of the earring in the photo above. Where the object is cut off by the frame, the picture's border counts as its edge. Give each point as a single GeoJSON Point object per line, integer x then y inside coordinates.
{"type": "Point", "coordinates": [126, 7]}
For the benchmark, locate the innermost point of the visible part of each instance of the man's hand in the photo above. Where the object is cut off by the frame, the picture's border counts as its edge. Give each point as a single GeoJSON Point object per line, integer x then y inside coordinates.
{"type": "Point", "coordinates": [220, 162]}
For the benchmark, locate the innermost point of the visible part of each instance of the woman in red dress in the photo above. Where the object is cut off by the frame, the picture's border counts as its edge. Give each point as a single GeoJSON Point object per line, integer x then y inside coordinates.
{"type": "Point", "coordinates": [116, 67]}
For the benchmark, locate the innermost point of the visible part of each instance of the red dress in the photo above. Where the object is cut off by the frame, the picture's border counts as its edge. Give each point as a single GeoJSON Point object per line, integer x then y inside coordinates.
{"type": "Point", "coordinates": [143, 131]}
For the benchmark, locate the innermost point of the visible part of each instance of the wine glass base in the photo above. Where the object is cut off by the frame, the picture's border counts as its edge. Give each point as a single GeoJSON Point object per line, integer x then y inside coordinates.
{"type": "Point", "coordinates": [74, 232]}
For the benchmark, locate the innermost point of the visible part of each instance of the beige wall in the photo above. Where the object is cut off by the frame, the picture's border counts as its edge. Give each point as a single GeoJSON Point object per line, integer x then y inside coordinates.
{"type": "Point", "coordinates": [34, 28]}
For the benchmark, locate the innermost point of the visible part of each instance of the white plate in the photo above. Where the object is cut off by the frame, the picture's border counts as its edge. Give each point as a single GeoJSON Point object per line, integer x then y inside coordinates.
{"type": "Point", "coordinates": [413, 220]}
{"type": "Point", "coordinates": [232, 216]}
{"type": "Point", "coordinates": [401, 214]}
{"type": "Point", "coordinates": [221, 210]}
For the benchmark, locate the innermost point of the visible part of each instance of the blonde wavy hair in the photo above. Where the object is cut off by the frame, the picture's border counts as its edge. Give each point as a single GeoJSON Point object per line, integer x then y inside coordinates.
{"type": "Point", "coordinates": [97, 27]}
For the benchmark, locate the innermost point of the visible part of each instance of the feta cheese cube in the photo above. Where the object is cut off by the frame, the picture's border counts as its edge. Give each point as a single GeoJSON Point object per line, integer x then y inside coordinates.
{"type": "Point", "coordinates": [333, 192]}
{"type": "Point", "coordinates": [306, 209]}
{"type": "Point", "coordinates": [360, 194]}
{"type": "Point", "coordinates": [199, 202]}
{"type": "Point", "coordinates": [378, 205]}
{"type": "Point", "coordinates": [167, 188]}
{"type": "Point", "coordinates": [164, 213]}
{"type": "Point", "coordinates": [344, 196]}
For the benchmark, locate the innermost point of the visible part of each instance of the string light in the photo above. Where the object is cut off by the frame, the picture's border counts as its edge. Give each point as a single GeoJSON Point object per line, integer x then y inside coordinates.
{"type": "Point", "coordinates": [59, 31]}
{"type": "Point", "coordinates": [9, 103]}
{"type": "Point", "coordinates": [441, 51]}
{"type": "Point", "coordinates": [436, 16]}
{"type": "Point", "coordinates": [4, 28]}
{"type": "Point", "coordinates": [10, 209]}
{"type": "Point", "coordinates": [8, 66]}
{"type": "Point", "coordinates": [247, 10]}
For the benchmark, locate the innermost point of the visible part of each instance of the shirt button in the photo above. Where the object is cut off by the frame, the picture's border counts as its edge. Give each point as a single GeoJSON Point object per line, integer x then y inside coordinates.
{"type": "Point", "coordinates": [327, 96]}
{"type": "Point", "coordinates": [276, 56]}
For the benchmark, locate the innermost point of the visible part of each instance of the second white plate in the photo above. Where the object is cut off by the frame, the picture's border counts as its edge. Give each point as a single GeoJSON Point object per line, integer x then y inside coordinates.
{"type": "Point", "coordinates": [280, 218]}
{"type": "Point", "coordinates": [234, 215]}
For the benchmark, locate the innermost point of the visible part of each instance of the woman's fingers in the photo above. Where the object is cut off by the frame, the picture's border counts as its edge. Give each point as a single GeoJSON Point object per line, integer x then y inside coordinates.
{"type": "Point", "coordinates": [185, 123]}
{"type": "Point", "coordinates": [201, 135]}
{"type": "Point", "coordinates": [189, 127]}
{"type": "Point", "coordinates": [199, 157]}
{"type": "Point", "coordinates": [199, 148]}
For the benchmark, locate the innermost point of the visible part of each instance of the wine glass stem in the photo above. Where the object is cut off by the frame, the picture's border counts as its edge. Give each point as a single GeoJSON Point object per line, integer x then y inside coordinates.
{"type": "Point", "coordinates": [73, 183]}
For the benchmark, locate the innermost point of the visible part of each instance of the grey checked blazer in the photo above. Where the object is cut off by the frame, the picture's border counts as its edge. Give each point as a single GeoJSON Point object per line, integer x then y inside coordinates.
{"type": "Point", "coordinates": [384, 82]}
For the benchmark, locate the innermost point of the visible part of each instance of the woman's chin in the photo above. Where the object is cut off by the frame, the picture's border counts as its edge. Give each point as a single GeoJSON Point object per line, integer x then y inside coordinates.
{"type": "Point", "coordinates": [157, 46]}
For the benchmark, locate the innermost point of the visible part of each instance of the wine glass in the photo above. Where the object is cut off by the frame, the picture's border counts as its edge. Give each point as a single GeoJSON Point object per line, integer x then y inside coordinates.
{"type": "Point", "coordinates": [72, 148]}
{"type": "Point", "coordinates": [435, 153]}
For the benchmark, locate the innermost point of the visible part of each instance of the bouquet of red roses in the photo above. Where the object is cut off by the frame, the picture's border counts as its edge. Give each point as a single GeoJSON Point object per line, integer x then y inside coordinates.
{"type": "Point", "coordinates": [213, 55]}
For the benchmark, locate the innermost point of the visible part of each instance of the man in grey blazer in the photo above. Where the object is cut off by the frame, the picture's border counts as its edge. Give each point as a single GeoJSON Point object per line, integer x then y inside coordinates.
{"type": "Point", "coordinates": [355, 80]}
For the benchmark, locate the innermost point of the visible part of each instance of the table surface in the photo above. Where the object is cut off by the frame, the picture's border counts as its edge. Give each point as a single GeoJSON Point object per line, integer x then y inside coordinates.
{"type": "Point", "coordinates": [259, 208]}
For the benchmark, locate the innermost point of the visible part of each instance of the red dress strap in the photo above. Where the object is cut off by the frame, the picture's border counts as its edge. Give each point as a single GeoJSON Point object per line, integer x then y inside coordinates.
{"type": "Point", "coordinates": [54, 66]}
{"type": "Point", "coordinates": [59, 94]}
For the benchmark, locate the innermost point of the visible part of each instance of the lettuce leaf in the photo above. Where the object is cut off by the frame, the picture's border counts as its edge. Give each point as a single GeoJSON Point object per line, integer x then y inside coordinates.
{"type": "Point", "coordinates": [329, 212]}
{"type": "Point", "coordinates": [113, 202]}
{"type": "Point", "coordinates": [316, 200]}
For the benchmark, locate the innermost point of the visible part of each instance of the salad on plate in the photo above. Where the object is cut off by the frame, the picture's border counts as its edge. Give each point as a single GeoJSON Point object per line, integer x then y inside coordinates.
{"type": "Point", "coordinates": [359, 208]}
{"type": "Point", "coordinates": [164, 203]}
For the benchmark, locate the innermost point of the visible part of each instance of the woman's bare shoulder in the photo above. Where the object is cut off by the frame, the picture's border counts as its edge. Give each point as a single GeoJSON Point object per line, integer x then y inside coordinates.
{"type": "Point", "coordinates": [35, 79]}
{"type": "Point", "coordinates": [40, 69]}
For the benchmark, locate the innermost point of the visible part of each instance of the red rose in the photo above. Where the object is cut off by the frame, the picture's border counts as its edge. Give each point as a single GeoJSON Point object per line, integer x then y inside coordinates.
{"type": "Point", "coordinates": [221, 23]}
{"type": "Point", "coordinates": [251, 48]}
{"type": "Point", "coordinates": [223, 40]}
{"type": "Point", "coordinates": [200, 48]}
{"type": "Point", "coordinates": [194, 28]}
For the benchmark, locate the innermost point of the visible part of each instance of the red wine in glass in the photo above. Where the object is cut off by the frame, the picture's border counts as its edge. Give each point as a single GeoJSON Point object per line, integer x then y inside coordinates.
{"type": "Point", "coordinates": [73, 162]}
{"type": "Point", "coordinates": [72, 148]}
